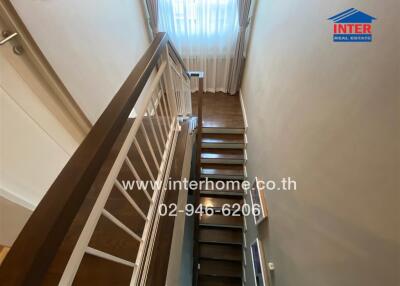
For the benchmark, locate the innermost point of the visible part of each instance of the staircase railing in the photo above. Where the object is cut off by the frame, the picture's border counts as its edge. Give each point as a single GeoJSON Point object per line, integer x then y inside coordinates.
{"type": "Point", "coordinates": [158, 91]}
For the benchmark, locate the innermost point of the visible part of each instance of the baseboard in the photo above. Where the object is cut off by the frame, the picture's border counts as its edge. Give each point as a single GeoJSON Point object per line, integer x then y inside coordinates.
{"type": "Point", "coordinates": [12, 197]}
{"type": "Point", "coordinates": [246, 125]}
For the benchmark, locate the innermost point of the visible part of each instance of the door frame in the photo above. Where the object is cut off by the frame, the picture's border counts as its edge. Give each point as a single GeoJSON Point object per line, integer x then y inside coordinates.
{"type": "Point", "coordinates": [32, 50]}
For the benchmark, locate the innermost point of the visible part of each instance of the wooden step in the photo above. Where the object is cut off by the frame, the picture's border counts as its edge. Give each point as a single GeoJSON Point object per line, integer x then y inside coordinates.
{"type": "Point", "coordinates": [222, 193]}
{"type": "Point", "coordinates": [109, 238]}
{"type": "Point", "coordinates": [222, 141]}
{"type": "Point", "coordinates": [97, 271]}
{"type": "Point", "coordinates": [219, 281]}
{"type": "Point", "coordinates": [222, 130]}
{"type": "Point", "coordinates": [230, 188]}
{"type": "Point", "coordinates": [220, 171]}
{"type": "Point", "coordinates": [217, 202]}
{"type": "Point", "coordinates": [220, 252]}
{"type": "Point", "coordinates": [221, 185]}
{"type": "Point", "coordinates": [223, 138]}
{"type": "Point", "coordinates": [210, 267]}
{"type": "Point", "coordinates": [222, 156]}
{"type": "Point", "coordinates": [219, 220]}
{"type": "Point", "coordinates": [220, 235]}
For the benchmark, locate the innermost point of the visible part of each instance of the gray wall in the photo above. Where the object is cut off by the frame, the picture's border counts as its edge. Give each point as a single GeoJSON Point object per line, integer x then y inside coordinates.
{"type": "Point", "coordinates": [326, 114]}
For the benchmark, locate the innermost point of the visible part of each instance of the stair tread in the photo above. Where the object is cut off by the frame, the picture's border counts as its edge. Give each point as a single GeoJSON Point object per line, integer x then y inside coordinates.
{"type": "Point", "coordinates": [232, 154]}
{"type": "Point", "coordinates": [223, 138]}
{"type": "Point", "coordinates": [221, 252]}
{"type": "Point", "coordinates": [220, 220]}
{"type": "Point", "coordinates": [109, 238]}
{"type": "Point", "coordinates": [94, 270]}
{"type": "Point", "coordinates": [211, 267]}
{"type": "Point", "coordinates": [221, 166]}
{"type": "Point", "coordinates": [218, 202]}
{"type": "Point", "coordinates": [222, 193]}
{"type": "Point", "coordinates": [229, 186]}
{"type": "Point", "coordinates": [222, 169]}
{"type": "Point", "coordinates": [217, 235]}
{"type": "Point", "coordinates": [219, 281]}
{"type": "Point", "coordinates": [221, 130]}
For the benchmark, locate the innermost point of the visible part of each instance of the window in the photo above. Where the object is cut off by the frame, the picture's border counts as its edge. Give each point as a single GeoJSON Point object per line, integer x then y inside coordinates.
{"type": "Point", "coordinates": [196, 26]}
{"type": "Point", "coordinates": [188, 13]}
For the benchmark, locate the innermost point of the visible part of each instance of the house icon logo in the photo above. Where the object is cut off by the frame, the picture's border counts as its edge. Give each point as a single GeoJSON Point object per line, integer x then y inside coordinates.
{"type": "Point", "coordinates": [352, 25]}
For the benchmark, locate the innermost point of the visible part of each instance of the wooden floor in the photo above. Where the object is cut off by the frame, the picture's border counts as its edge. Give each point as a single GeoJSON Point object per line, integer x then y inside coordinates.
{"type": "Point", "coordinates": [220, 110]}
{"type": "Point", "coordinates": [3, 252]}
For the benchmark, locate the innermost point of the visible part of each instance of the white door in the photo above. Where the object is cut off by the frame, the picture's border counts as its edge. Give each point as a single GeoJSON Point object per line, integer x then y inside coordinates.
{"type": "Point", "coordinates": [37, 136]}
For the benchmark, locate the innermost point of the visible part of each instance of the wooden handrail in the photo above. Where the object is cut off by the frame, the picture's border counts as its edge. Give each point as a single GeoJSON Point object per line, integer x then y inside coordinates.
{"type": "Point", "coordinates": [33, 251]}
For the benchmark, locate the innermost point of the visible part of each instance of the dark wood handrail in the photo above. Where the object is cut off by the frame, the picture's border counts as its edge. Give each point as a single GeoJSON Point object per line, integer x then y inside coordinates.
{"type": "Point", "coordinates": [37, 244]}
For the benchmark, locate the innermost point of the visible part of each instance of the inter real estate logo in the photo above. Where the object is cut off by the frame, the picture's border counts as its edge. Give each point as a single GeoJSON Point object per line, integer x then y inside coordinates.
{"type": "Point", "coordinates": [352, 26]}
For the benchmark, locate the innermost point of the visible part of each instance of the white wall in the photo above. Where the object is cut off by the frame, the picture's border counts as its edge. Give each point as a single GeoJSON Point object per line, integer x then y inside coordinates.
{"type": "Point", "coordinates": [327, 114]}
{"type": "Point", "coordinates": [92, 45]}
{"type": "Point", "coordinates": [37, 137]}
{"type": "Point", "coordinates": [30, 159]}
{"type": "Point", "coordinates": [37, 134]}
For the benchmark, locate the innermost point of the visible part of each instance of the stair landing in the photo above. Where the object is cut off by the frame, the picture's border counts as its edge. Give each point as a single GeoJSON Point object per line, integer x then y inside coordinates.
{"type": "Point", "coordinates": [220, 110]}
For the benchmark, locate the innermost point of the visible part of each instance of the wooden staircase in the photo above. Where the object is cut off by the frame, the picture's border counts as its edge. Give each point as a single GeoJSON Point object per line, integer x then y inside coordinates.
{"type": "Point", "coordinates": [220, 236]}
{"type": "Point", "coordinates": [89, 230]}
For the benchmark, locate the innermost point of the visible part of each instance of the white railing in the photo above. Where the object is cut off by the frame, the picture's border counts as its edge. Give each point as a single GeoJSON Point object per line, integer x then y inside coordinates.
{"type": "Point", "coordinates": [166, 100]}
{"type": "Point", "coordinates": [181, 83]}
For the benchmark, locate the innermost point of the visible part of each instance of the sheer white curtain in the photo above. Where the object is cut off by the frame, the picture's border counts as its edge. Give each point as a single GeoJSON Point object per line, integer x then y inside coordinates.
{"type": "Point", "coordinates": [205, 33]}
